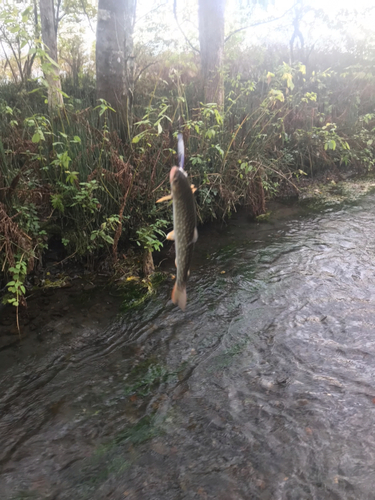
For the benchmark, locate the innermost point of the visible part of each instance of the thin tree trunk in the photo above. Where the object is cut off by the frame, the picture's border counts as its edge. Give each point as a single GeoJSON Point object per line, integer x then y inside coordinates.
{"type": "Point", "coordinates": [129, 21]}
{"type": "Point", "coordinates": [211, 38]}
{"type": "Point", "coordinates": [49, 35]}
{"type": "Point", "coordinates": [110, 64]}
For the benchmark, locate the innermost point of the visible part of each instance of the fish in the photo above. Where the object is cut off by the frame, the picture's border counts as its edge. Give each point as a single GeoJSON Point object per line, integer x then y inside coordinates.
{"type": "Point", "coordinates": [184, 232]}
{"type": "Point", "coordinates": [168, 197]}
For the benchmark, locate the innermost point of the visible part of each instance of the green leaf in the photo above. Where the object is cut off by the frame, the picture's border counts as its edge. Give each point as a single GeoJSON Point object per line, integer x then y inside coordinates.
{"type": "Point", "coordinates": [108, 239]}
{"type": "Point", "coordinates": [51, 60]}
{"type": "Point", "coordinates": [36, 137]}
{"type": "Point", "coordinates": [45, 67]}
{"type": "Point", "coordinates": [33, 91]}
{"type": "Point", "coordinates": [137, 138]}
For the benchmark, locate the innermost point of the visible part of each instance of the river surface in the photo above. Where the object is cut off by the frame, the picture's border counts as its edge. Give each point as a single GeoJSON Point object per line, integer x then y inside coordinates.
{"type": "Point", "coordinates": [263, 389]}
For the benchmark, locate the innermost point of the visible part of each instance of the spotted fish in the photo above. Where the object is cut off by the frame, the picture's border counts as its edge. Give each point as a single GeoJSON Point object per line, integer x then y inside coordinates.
{"type": "Point", "coordinates": [184, 232]}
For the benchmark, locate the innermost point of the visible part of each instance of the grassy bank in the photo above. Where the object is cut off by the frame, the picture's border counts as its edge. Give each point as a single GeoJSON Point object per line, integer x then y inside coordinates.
{"type": "Point", "coordinates": [70, 182]}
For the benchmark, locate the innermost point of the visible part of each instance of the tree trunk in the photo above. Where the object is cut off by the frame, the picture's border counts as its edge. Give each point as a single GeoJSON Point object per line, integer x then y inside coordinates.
{"type": "Point", "coordinates": [110, 62]}
{"type": "Point", "coordinates": [211, 38]}
{"type": "Point", "coordinates": [148, 263]}
{"type": "Point", "coordinates": [129, 21]}
{"type": "Point", "coordinates": [49, 35]}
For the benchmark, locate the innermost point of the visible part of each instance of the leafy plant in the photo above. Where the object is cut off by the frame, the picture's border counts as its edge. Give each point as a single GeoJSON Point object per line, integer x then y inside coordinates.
{"type": "Point", "coordinates": [148, 235]}
{"type": "Point", "coordinates": [16, 286]}
{"type": "Point", "coordinates": [85, 196]}
{"type": "Point", "coordinates": [102, 234]}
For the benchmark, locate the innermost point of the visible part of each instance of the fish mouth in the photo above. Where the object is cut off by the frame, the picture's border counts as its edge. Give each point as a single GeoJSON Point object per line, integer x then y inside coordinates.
{"type": "Point", "coordinates": [173, 174]}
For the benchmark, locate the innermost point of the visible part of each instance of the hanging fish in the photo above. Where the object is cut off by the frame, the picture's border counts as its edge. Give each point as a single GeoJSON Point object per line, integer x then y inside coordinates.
{"type": "Point", "coordinates": [184, 232]}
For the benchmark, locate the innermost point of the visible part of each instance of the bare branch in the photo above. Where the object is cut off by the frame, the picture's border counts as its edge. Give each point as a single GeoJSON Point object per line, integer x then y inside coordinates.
{"type": "Point", "coordinates": [86, 14]}
{"type": "Point", "coordinates": [36, 20]}
{"type": "Point", "coordinates": [13, 51]}
{"type": "Point", "coordinates": [135, 15]}
{"type": "Point", "coordinates": [142, 70]}
{"type": "Point", "coordinates": [57, 19]}
{"type": "Point", "coordinates": [259, 23]}
{"type": "Point", "coordinates": [179, 27]}
{"type": "Point", "coordinates": [61, 17]}
{"type": "Point", "coordinates": [153, 10]}
{"type": "Point", "coordinates": [8, 63]}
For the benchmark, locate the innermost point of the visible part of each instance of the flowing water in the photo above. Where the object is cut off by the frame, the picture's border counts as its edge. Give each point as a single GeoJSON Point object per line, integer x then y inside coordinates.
{"type": "Point", "coordinates": [263, 389]}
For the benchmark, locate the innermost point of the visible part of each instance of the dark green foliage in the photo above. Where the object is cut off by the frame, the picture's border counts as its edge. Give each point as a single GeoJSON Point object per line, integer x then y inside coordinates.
{"type": "Point", "coordinates": [73, 179]}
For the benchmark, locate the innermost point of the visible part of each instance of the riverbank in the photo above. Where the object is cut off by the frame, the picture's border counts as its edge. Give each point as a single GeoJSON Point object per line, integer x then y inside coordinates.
{"type": "Point", "coordinates": [65, 296]}
{"type": "Point", "coordinates": [270, 366]}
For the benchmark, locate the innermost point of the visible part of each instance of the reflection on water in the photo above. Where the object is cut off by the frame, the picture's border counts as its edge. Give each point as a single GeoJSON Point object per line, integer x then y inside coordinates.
{"type": "Point", "coordinates": [263, 389]}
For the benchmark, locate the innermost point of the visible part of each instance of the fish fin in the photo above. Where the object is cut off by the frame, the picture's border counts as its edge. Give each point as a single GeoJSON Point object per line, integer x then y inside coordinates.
{"type": "Point", "coordinates": [179, 296]}
{"type": "Point", "coordinates": [170, 236]}
{"type": "Point", "coordinates": [164, 198]}
{"type": "Point", "coordinates": [195, 237]}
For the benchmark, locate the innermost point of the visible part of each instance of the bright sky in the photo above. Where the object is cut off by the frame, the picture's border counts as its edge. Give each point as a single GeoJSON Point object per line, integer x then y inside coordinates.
{"type": "Point", "coordinates": [311, 27]}
{"type": "Point", "coordinates": [279, 31]}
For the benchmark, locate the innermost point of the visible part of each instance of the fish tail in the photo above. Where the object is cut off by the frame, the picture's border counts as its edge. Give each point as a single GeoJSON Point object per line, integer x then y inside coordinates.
{"type": "Point", "coordinates": [179, 296]}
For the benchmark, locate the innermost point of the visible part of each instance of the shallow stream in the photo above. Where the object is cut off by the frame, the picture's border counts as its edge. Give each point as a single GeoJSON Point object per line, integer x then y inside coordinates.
{"type": "Point", "coordinates": [263, 389]}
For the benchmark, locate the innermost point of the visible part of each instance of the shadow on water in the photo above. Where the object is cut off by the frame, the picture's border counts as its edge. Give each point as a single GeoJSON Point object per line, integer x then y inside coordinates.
{"type": "Point", "coordinates": [263, 389]}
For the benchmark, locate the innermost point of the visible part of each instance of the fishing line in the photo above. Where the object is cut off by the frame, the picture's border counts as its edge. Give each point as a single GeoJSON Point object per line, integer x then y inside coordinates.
{"type": "Point", "coordinates": [180, 151]}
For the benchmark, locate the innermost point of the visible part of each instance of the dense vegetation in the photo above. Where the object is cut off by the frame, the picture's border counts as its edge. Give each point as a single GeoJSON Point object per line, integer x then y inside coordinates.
{"type": "Point", "coordinates": [68, 178]}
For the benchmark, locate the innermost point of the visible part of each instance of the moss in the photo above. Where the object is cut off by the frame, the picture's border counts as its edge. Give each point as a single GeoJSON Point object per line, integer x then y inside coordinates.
{"type": "Point", "coordinates": [136, 291]}
{"type": "Point", "coordinates": [147, 375]}
{"type": "Point", "coordinates": [320, 195]}
{"type": "Point", "coordinates": [144, 430]}
{"type": "Point", "coordinates": [225, 359]}
{"type": "Point", "coordinates": [263, 217]}
{"type": "Point", "coordinates": [146, 380]}
{"type": "Point", "coordinates": [23, 495]}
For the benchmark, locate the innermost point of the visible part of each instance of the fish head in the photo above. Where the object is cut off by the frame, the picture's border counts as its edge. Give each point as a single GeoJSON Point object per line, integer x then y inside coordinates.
{"type": "Point", "coordinates": [176, 178]}
{"type": "Point", "coordinates": [173, 176]}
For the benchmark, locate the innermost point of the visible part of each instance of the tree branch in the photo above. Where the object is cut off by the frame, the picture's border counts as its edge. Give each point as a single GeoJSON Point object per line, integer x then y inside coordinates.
{"type": "Point", "coordinates": [153, 10]}
{"type": "Point", "coordinates": [85, 12]}
{"type": "Point", "coordinates": [135, 15]}
{"type": "Point", "coordinates": [259, 23]}
{"type": "Point", "coordinates": [179, 27]}
{"type": "Point", "coordinates": [14, 52]}
{"type": "Point", "coordinates": [8, 63]}
{"type": "Point", "coordinates": [61, 17]}
{"type": "Point", "coordinates": [57, 19]}
{"type": "Point", "coordinates": [142, 70]}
